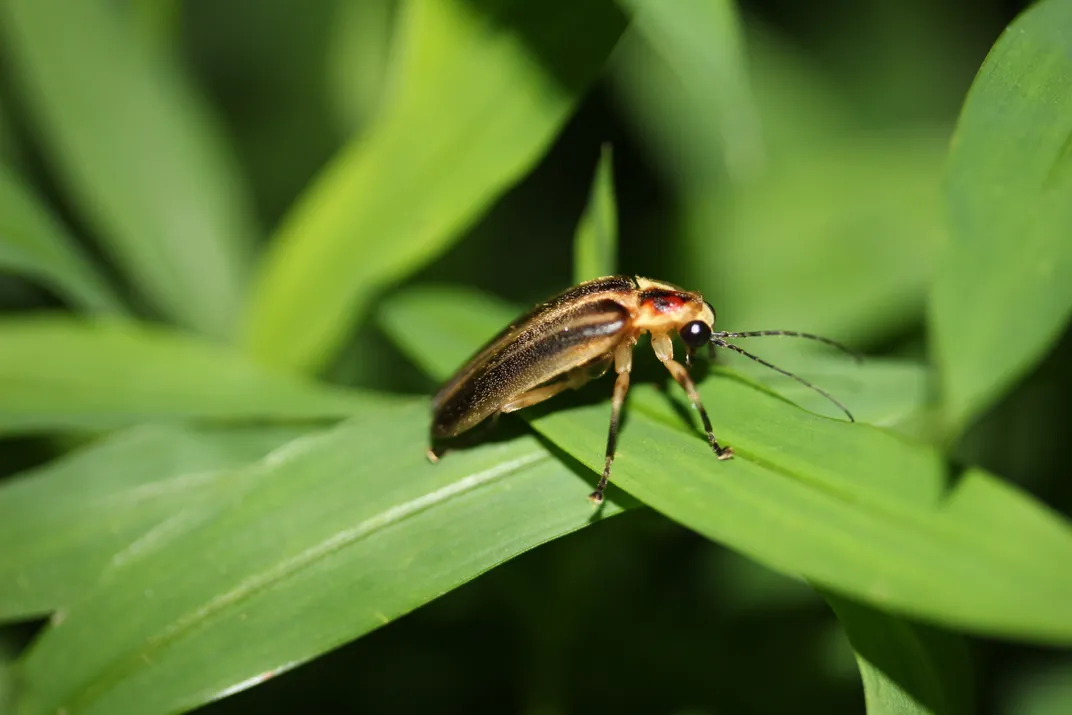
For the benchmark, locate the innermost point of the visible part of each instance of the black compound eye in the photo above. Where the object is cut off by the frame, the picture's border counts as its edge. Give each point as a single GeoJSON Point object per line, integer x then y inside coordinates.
{"type": "Point", "coordinates": [696, 334]}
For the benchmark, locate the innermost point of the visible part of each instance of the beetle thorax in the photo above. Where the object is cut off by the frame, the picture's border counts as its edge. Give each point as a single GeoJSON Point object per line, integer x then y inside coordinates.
{"type": "Point", "coordinates": [662, 310]}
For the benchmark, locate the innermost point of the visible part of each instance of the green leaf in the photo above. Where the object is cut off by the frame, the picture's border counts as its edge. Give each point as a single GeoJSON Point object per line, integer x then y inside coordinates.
{"type": "Point", "coordinates": [840, 240]}
{"type": "Point", "coordinates": [1003, 292]}
{"type": "Point", "coordinates": [907, 668]}
{"type": "Point", "coordinates": [483, 89]}
{"type": "Point", "coordinates": [595, 244]}
{"type": "Point", "coordinates": [795, 103]}
{"type": "Point", "coordinates": [358, 52]}
{"type": "Point", "coordinates": [33, 243]}
{"type": "Point", "coordinates": [59, 372]}
{"type": "Point", "coordinates": [137, 152]}
{"type": "Point", "coordinates": [701, 42]}
{"type": "Point", "coordinates": [848, 506]}
{"type": "Point", "coordinates": [66, 522]}
{"type": "Point", "coordinates": [344, 532]}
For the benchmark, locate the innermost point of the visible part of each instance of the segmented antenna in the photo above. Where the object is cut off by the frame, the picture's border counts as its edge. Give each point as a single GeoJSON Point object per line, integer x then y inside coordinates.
{"type": "Point", "coordinates": [793, 334]}
{"type": "Point", "coordinates": [717, 341]}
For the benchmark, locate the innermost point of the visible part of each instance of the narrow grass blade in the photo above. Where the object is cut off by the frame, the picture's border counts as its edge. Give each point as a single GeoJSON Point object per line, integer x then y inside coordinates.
{"type": "Point", "coordinates": [482, 89]}
{"type": "Point", "coordinates": [595, 244]}
{"type": "Point", "coordinates": [34, 244]}
{"type": "Point", "coordinates": [358, 52]}
{"type": "Point", "coordinates": [1003, 292]}
{"type": "Point", "coordinates": [58, 372]}
{"type": "Point", "coordinates": [138, 153]}
{"type": "Point", "coordinates": [907, 668]}
{"type": "Point", "coordinates": [65, 523]}
{"type": "Point", "coordinates": [701, 42]}
{"type": "Point", "coordinates": [344, 532]}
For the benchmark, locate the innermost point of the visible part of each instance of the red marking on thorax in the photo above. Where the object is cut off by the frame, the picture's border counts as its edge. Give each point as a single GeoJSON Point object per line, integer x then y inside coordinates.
{"type": "Point", "coordinates": [664, 303]}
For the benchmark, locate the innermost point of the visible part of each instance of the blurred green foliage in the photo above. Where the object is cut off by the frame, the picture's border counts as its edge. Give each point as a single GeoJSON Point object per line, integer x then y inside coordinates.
{"type": "Point", "coordinates": [220, 226]}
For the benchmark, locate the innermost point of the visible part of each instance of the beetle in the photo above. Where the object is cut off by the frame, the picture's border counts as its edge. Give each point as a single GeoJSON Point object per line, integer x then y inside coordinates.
{"type": "Point", "coordinates": [576, 337]}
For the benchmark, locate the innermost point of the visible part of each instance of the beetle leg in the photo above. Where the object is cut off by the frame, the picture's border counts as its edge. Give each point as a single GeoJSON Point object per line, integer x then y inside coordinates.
{"type": "Point", "coordinates": [623, 363]}
{"type": "Point", "coordinates": [664, 350]}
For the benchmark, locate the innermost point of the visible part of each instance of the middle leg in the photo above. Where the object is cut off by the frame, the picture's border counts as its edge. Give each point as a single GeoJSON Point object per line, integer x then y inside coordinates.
{"type": "Point", "coordinates": [623, 363]}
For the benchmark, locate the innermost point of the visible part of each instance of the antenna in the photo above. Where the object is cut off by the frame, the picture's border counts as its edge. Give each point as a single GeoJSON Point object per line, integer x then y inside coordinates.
{"type": "Point", "coordinates": [790, 333]}
{"type": "Point", "coordinates": [718, 341]}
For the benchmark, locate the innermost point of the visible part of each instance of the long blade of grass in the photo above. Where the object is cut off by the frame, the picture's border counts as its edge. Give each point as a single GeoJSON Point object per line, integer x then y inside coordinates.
{"type": "Point", "coordinates": [345, 531]}
{"type": "Point", "coordinates": [701, 42]}
{"type": "Point", "coordinates": [138, 153]}
{"type": "Point", "coordinates": [34, 244]}
{"type": "Point", "coordinates": [848, 506]}
{"type": "Point", "coordinates": [483, 87]}
{"type": "Point", "coordinates": [595, 244]}
{"type": "Point", "coordinates": [64, 523]}
{"type": "Point", "coordinates": [1003, 292]}
{"type": "Point", "coordinates": [58, 373]}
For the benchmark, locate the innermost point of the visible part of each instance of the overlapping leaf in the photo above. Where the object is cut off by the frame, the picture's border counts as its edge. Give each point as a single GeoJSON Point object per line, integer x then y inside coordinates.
{"type": "Point", "coordinates": [59, 372]}
{"type": "Point", "coordinates": [344, 532]}
{"type": "Point", "coordinates": [34, 244]}
{"type": "Point", "coordinates": [138, 153]}
{"type": "Point", "coordinates": [1004, 290]}
{"type": "Point", "coordinates": [595, 245]}
{"type": "Point", "coordinates": [483, 88]}
{"type": "Point", "coordinates": [66, 523]}
{"type": "Point", "coordinates": [907, 669]}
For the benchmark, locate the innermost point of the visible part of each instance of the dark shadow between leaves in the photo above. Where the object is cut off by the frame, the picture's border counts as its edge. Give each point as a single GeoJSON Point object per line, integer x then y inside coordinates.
{"type": "Point", "coordinates": [953, 472]}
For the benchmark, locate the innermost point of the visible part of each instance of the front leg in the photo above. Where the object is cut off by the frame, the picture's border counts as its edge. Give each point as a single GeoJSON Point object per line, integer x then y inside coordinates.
{"type": "Point", "coordinates": [664, 350]}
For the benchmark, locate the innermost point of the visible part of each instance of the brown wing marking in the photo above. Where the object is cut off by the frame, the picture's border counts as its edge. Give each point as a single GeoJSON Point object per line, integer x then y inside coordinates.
{"type": "Point", "coordinates": [543, 350]}
{"type": "Point", "coordinates": [528, 325]}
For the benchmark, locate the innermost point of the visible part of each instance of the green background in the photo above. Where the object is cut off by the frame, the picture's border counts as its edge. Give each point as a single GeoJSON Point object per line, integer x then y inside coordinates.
{"type": "Point", "coordinates": [240, 243]}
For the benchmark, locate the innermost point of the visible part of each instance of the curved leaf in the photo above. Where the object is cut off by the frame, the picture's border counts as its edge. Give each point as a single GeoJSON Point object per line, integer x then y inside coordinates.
{"type": "Point", "coordinates": [64, 523]}
{"type": "Point", "coordinates": [344, 532]}
{"type": "Point", "coordinates": [483, 88]}
{"type": "Point", "coordinates": [1003, 293]}
{"type": "Point", "coordinates": [32, 242]}
{"type": "Point", "coordinates": [138, 153]}
{"type": "Point", "coordinates": [59, 372]}
{"type": "Point", "coordinates": [907, 669]}
{"type": "Point", "coordinates": [848, 506]}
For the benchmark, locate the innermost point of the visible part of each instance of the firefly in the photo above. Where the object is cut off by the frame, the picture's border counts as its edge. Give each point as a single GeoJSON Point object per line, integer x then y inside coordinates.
{"type": "Point", "coordinates": [576, 337]}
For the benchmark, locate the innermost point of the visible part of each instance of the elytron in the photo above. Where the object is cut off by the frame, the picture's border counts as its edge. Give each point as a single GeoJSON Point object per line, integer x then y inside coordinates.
{"type": "Point", "coordinates": [575, 337]}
